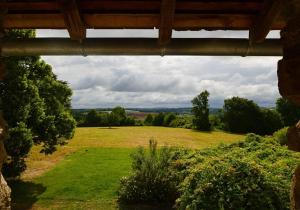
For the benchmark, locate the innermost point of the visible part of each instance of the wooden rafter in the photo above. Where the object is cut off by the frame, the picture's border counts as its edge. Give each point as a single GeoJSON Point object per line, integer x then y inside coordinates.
{"type": "Point", "coordinates": [167, 13]}
{"type": "Point", "coordinates": [2, 35]}
{"type": "Point", "coordinates": [72, 19]}
{"type": "Point", "coordinates": [138, 5]}
{"type": "Point", "coordinates": [264, 22]}
{"type": "Point", "coordinates": [137, 21]}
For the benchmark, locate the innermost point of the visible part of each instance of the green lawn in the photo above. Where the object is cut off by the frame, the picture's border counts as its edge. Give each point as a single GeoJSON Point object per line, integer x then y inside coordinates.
{"type": "Point", "coordinates": [88, 178]}
{"type": "Point", "coordinates": [85, 173]}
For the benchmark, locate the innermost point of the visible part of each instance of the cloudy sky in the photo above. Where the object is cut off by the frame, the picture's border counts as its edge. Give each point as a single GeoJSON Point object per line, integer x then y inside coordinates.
{"type": "Point", "coordinates": [169, 81]}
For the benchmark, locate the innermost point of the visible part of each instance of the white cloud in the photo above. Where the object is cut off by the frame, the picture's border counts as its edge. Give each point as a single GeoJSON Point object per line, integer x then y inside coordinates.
{"type": "Point", "coordinates": [154, 81]}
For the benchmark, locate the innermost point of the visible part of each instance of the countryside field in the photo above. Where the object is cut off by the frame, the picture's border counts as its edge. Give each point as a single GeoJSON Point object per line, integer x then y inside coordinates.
{"type": "Point", "coordinates": [85, 173]}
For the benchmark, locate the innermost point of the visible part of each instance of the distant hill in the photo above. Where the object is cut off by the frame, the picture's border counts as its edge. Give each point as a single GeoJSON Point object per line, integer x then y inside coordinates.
{"type": "Point", "coordinates": [184, 110]}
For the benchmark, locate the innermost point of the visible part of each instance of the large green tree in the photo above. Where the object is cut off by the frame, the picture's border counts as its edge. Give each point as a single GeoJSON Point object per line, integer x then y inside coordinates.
{"type": "Point", "coordinates": [289, 111]}
{"type": "Point", "coordinates": [93, 118]}
{"type": "Point", "coordinates": [36, 106]}
{"type": "Point", "coordinates": [242, 115]}
{"type": "Point", "coordinates": [200, 110]}
{"type": "Point", "coordinates": [119, 114]}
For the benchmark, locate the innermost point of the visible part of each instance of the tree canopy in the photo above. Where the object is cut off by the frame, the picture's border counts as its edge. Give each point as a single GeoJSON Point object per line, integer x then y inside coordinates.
{"type": "Point", "coordinates": [289, 111]}
{"type": "Point", "coordinates": [36, 106]}
{"type": "Point", "coordinates": [200, 110]}
{"type": "Point", "coordinates": [241, 115]}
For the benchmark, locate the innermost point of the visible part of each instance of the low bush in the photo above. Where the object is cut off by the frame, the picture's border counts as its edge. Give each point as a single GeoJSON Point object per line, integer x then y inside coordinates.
{"type": "Point", "coordinates": [252, 174]}
{"type": "Point", "coordinates": [281, 135]}
{"type": "Point", "coordinates": [151, 180]}
{"type": "Point", "coordinates": [182, 122]}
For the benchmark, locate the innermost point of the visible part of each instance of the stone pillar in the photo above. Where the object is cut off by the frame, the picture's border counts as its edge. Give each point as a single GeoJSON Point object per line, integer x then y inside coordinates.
{"type": "Point", "coordinates": [293, 135]}
{"type": "Point", "coordinates": [295, 191]}
{"type": "Point", "coordinates": [289, 67]}
{"type": "Point", "coordinates": [289, 82]}
{"type": "Point", "coordinates": [4, 189]}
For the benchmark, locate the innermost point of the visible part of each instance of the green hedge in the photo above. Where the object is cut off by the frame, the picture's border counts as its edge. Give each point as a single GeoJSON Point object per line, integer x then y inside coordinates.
{"type": "Point", "coordinates": [252, 174]}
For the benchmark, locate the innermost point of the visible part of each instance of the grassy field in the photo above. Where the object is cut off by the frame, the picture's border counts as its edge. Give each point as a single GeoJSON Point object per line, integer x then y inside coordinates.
{"type": "Point", "coordinates": [85, 173]}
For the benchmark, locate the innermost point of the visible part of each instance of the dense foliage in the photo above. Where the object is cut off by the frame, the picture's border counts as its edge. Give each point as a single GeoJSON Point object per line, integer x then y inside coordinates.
{"type": "Point", "coordinates": [251, 174]}
{"type": "Point", "coordinates": [116, 117]}
{"type": "Point", "coordinates": [271, 121]}
{"type": "Point", "coordinates": [289, 111]}
{"type": "Point", "coordinates": [36, 106]}
{"type": "Point", "coordinates": [281, 136]}
{"type": "Point", "coordinates": [182, 121]}
{"type": "Point", "coordinates": [148, 120]}
{"type": "Point", "coordinates": [254, 174]}
{"type": "Point", "coordinates": [169, 120]}
{"type": "Point", "coordinates": [200, 110]}
{"type": "Point", "coordinates": [241, 115]}
{"type": "Point", "coordinates": [158, 119]}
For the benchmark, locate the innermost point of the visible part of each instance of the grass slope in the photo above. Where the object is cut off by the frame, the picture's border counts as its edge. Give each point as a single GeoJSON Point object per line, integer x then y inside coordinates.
{"type": "Point", "coordinates": [139, 136]}
{"type": "Point", "coordinates": [85, 173]}
{"type": "Point", "coordinates": [89, 178]}
{"type": "Point", "coordinates": [125, 137]}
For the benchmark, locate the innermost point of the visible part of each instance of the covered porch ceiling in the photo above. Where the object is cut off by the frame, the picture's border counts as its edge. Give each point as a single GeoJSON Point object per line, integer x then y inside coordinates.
{"type": "Point", "coordinates": [256, 16]}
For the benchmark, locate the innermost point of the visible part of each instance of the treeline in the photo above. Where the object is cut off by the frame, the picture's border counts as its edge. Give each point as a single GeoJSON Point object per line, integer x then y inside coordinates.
{"type": "Point", "coordinates": [238, 115]}
{"type": "Point", "coordinates": [116, 117]}
{"type": "Point", "coordinates": [169, 120]}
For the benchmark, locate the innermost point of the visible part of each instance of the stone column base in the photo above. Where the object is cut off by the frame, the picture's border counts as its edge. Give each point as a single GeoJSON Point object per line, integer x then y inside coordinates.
{"type": "Point", "coordinates": [4, 194]}
{"type": "Point", "coordinates": [295, 191]}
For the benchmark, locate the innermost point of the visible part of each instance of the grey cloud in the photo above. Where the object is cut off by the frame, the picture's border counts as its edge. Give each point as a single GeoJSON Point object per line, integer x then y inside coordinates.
{"type": "Point", "coordinates": [153, 81]}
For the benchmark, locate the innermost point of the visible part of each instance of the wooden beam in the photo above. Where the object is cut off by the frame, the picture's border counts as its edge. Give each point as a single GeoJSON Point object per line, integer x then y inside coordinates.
{"type": "Point", "coordinates": [167, 13]}
{"type": "Point", "coordinates": [263, 23]}
{"type": "Point", "coordinates": [3, 12]}
{"type": "Point", "coordinates": [138, 5]}
{"type": "Point", "coordinates": [140, 46]}
{"type": "Point", "coordinates": [72, 19]}
{"type": "Point", "coordinates": [130, 21]}
{"type": "Point", "coordinates": [30, 5]}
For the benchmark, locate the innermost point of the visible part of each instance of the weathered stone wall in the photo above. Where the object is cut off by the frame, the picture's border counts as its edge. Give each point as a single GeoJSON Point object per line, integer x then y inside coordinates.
{"type": "Point", "coordinates": [295, 192]}
{"type": "Point", "coordinates": [289, 82]}
{"type": "Point", "coordinates": [4, 189]}
{"type": "Point", "coordinates": [293, 135]}
{"type": "Point", "coordinates": [289, 67]}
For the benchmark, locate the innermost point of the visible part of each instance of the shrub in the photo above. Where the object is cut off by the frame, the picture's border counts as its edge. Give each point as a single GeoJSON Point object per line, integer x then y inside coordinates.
{"type": "Point", "coordinates": [281, 136]}
{"type": "Point", "coordinates": [182, 121]}
{"type": "Point", "coordinates": [254, 174]}
{"type": "Point", "coordinates": [151, 180]}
